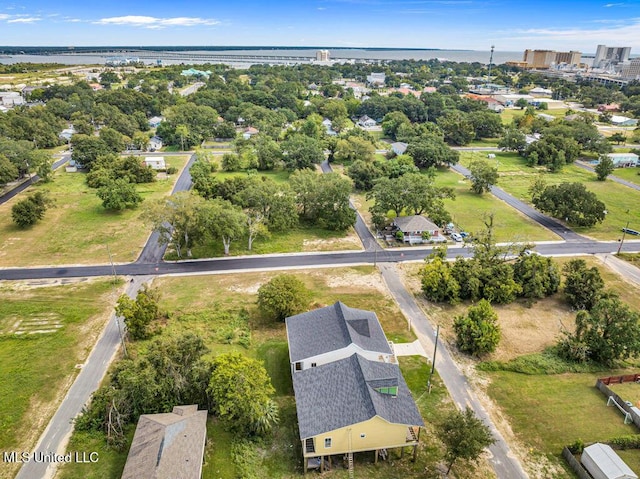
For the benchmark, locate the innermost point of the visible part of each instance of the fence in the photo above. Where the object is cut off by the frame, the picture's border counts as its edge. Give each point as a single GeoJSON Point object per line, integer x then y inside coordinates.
{"type": "Point", "coordinates": [574, 464]}
{"type": "Point", "coordinates": [602, 383]}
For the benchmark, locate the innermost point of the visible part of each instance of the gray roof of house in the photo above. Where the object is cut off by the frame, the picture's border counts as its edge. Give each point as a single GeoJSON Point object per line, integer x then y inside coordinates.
{"type": "Point", "coordinates": [168, 445]}
{"type": "Point", "coordinates": [334, 327]}
{"type": "Point", "coordinates": [414, 223]}
{"type": "Point", "coordinates": [342, 393]}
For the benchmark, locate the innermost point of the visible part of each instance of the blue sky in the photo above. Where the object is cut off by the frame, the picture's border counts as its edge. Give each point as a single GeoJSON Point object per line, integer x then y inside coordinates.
{"type": "Point", "coordinates": [511, 25]}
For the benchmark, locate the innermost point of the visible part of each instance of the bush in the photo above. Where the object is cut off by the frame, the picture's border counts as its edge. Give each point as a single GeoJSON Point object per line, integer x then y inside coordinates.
{"type": "Point", "coordinates": [625, 442]}
{"type": "Point", "coordinates": [172, 170]}
{"type": "Point", "coordinates": [478, 332]}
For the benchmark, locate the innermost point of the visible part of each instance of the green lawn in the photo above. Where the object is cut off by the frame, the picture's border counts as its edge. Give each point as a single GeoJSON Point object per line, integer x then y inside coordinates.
{"type": "Point", "coordinates": [468, 208]}
{"type": "Point", "coordinates": [78, 229]}
{"type": "Point", "coordinates": [516, 178]}
{"type": "Point", "coordinates": [547, 412]}
{"type": "Point", "coordinates": [38, 367]}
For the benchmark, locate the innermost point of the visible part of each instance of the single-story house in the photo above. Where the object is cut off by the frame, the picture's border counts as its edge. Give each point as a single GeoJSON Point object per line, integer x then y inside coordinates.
{"type": "Point", "coordinates": [11, 98]}
{"type": "Point", "coordinates": [155, 162]}
{"type": "Point", "coordinates": [399, 147]}
{"type": "Point", "coordinates": [249, 132]}
{"type": "Point", "coordinates": [624, 160]}
{"type": "Point", "coordinates": [619, 120]}
{"type": "Point", "coordinates": [602, 462]}
{"type": "Point", "coordinates": [155, 143]}
{"type": "Point", "coordinates": [349, 390]}
{"type": "Point", "coordinates": [168, 445]}
{"type": "Point", "coordinates": [366, 122]}
{"type": "Point", "coordinates": [67, 133]}
{"type": "Point", "coordinates": [155, 121]}
{"type": "Point", "coordinates": [414, 228]}
{"type": "Point", "coordinates": [540, 92]}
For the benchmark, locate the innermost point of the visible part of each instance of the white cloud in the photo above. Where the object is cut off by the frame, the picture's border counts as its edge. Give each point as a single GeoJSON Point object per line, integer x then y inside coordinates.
{"type": "Point", "coordinates": [609, 5]}
{"type": "Point", "coordinates": [156, 23]}
{"type": "Point", "coordinates": [24, 20]}
{"type": "Point", "coordinates": [626, 34]}
{"type": "Point", "coordinates": [4, 16]}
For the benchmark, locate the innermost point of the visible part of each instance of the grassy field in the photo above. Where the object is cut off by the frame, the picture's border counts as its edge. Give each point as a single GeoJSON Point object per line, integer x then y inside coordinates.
{"type": "Point", "coordinates": [46, 329]}
{"type": "Point", "coordinates": [187, 299]}
{"type": "Point", "coordinates": [468, 208]}
{"type": "Point", "coordinates": [509, 114]}
{"type": "Point", "coordinates": [516, 178]}
{"type": "Point", "coordinates": [78, 229]}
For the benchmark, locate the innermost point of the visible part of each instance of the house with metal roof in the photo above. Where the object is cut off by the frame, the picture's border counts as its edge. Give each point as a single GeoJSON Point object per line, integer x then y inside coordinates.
{"type": "Point", "coordinates": [350, 394]}
{"type": "Point", "coordinates": [168, 445]}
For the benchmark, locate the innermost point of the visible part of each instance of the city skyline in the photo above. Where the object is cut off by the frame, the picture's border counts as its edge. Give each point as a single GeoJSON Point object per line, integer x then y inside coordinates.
{"type": "Point", "coordinates": [445, 24]}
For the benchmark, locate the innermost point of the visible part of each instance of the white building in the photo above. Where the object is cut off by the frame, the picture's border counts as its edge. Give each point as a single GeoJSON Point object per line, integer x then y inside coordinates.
{"type": "Point", "coordinates": [602, 462]}
{"type": "Point", "coordinates": [155, 162]}
{"type": "Point", "coordinates": [609, 56]}
{"type": "Point", "coordinates": [322, 56]}
{"type": "Point", "coordinates": [376, 79]}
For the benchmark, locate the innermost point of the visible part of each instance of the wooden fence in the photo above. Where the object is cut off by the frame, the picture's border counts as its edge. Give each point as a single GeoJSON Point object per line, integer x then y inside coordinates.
{"type": "Point", "coordinates": [629, 378]}
{"type": "Point", "coordinates": [580, 471]}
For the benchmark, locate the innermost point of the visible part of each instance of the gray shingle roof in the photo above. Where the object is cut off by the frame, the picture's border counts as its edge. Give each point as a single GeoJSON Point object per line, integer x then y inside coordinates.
{"type": "Point", "coordinates": [343, 392]}
{"type": "Point", "coordinates": [168, 445]}
{"type": "Point", "coordinates": [332, 328]}
{"type": "Point", "coordinates": [414, 223]}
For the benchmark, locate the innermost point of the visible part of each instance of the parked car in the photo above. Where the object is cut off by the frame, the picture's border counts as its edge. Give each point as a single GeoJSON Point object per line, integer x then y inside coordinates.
{"type": "Point", "coordinates": [456, 237]}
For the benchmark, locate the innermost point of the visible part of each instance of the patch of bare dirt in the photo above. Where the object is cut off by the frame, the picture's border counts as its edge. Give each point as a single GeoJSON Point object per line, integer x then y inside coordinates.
{"type": "Point", "coordinates": [351, 279]}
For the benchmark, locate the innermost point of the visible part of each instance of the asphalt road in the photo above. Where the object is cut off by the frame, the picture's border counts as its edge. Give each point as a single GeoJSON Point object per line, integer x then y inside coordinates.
{"type": "Point", "coordinates": [54, 438]}
{"type": "Point", "coordinates": [504, 462]}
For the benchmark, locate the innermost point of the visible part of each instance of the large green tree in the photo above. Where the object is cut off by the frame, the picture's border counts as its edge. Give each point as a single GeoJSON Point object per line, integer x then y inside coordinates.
{"type": "Point", "coordinates": [583, 286]}
{"type": "Point", "coordinates": [483, 176]}
{"type": "Point", "coordinates": [284, 295]}
{"type": "Point", "coordinates": [241, 393]}
{"type": "Point", "coordinates": [538, 276]}
{"type": "Point", "coordinates": [30, 210]}
{"type": "Point", "coordinates": [179, 221]}
{"type": "Point", "coordinates": [608, 333]}
{"type": "Point", "coordinates": [119, 194]}
{"type": "Point", "coordinates": [301, 151]}
{"type": "Point", "coordinates": [224, 221]}
{"type": "Point", "coordinates": [139, 313]}
{"type": "Point", "coordinates": [604, 167]}
{"type": "Point", "coordinates": [571, 202]}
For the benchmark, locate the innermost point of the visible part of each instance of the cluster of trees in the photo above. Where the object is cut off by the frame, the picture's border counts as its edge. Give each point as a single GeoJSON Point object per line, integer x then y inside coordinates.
{"type": "Point", "coordinates": [607, 330]}
{"type": "Point", "coordinates": [176, 371]}
{"type": "Point", "coordinates": [412, 193]}
{"type": "Point", "coordinates": [140, 313]}
{"type": "Point", "coordinates": [19, 158]}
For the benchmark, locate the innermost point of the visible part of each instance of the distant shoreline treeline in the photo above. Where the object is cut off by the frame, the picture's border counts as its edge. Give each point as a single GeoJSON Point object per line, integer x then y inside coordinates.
{"type": "Point", "coordinates": [44, 50]}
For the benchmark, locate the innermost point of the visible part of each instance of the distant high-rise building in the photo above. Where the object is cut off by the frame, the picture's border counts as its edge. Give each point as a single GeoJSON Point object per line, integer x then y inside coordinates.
{"type": "Point", "coordinates": [545, 58]}
{"type": "Point", "coordinates": [631, 70]}
{"type": "Point", "coordinates": [322, 55]}
{"type": "Point", "coordinates": [609, 56]}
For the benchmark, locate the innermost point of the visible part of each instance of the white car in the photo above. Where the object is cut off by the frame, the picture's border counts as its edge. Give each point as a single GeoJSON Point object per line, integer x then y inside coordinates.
{"type": "Point", "coordinates": [456, 237]}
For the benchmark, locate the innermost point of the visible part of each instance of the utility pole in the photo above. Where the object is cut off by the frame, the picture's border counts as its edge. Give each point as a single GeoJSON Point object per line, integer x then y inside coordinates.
{"type": "Point", "coordinates": [433, 363]}
{"type": "Point", "coordinates": [113, 270]}
{"type": "Point", "coordinates": [624, 232]}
